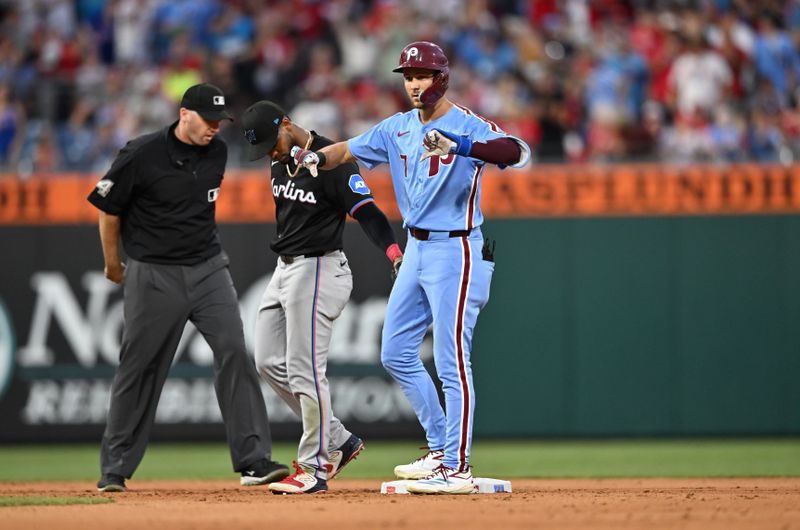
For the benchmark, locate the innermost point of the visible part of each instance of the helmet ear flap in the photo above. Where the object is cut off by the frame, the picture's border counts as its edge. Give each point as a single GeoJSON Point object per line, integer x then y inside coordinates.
{"type": "Point", "coordinates": [433, 93]}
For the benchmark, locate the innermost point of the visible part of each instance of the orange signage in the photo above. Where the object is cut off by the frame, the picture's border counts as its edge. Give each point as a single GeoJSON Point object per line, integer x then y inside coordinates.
{"type": "Point", "coordinates": [540, 191]}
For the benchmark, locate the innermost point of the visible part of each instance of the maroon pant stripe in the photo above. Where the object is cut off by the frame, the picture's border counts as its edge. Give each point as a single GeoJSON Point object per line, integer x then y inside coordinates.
{"type": "Point", "coordinates": [460, 356]}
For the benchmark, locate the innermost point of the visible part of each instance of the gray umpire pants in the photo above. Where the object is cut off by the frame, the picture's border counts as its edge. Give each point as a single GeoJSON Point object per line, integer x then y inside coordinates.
{"type": "Point", "coordinates": [158, 301]}
{"type": "Point", "coordinates": [293, 334]}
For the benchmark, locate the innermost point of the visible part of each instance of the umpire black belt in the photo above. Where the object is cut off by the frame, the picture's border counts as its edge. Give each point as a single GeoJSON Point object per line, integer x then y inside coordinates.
{"type": "Point", "coordinates": [424, 235]}
{"type": "Point", "coordinates": [290, 259]}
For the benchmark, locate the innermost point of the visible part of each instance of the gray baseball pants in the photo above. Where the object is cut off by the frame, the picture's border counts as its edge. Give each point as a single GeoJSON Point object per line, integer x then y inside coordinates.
{"type": "Point", "coordinates": [293, 334]}
{"type": "Point", "coordinates": [158, 301]}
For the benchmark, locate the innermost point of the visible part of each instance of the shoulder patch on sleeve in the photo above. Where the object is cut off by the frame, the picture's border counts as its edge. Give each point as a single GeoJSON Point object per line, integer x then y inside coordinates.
{"type": "Point", "coordinates": [104, 186]}
{"type": "Point", "coordinates": [358, 185]}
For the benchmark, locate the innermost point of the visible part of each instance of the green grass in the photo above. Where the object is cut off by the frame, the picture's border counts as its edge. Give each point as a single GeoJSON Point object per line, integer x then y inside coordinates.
{"type": "Point", "coordinates": [519, 458]}
{"type": "Point", "coordinates": [47, 500]}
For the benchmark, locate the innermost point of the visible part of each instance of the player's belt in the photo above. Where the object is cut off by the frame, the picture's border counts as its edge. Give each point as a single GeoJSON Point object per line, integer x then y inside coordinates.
{"type": "Point", "coordinates": [287, 259]}
{"type": "Point", "coordinates": [424, 235]}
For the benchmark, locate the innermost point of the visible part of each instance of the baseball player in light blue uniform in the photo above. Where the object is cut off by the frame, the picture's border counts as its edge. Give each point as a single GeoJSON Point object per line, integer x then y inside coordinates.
{"type": "Point", "coordinates": [437, 153]}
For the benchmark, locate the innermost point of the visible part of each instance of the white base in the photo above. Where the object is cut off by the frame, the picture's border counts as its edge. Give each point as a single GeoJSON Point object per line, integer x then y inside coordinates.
{"type": "Point", "coordinates": [482, 485]}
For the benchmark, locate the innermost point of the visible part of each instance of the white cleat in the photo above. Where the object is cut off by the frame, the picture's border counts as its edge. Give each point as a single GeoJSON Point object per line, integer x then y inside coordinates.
{"type": "Point", "coordinates": [445, 480]}
{"type": "Point", "coordinates": [421, 467]}
{"type": "Point", "coordinates": [301, 482]}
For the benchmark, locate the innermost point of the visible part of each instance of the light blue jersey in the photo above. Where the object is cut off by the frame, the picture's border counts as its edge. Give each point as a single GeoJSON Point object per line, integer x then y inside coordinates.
{"type": "Point", "coordinates": [440, 193]}
{"type": "Point", "coordinates": [444, 279]}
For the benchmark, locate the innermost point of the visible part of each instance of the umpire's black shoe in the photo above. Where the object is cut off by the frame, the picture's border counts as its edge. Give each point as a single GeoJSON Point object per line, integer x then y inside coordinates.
{"type": "Point", "coordinates": [345, 454]}
{"type": "Point", "coordinates": [263, 472]}
{"type": "Point", "coordinates": [111, 483]}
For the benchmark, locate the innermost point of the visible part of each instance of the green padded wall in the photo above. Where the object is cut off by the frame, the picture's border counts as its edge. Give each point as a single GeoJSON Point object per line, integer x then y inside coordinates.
{"type": "Point", "coordinates": [641, 326]}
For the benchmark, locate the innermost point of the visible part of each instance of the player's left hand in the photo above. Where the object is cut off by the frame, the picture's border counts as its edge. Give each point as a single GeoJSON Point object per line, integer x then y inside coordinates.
{"type": "Point", "coordinates": [305, 158]}
{"type": "Point", "coordinates": [395, 255]}
{"type": "Point", "coordinates": [396, 267]}
{"type": "Point", "coordinates": [115, 271]}
{"type": "Point", "coordinates": [436, 144]}
{"type": "Point", "coordinates": [442, 143]}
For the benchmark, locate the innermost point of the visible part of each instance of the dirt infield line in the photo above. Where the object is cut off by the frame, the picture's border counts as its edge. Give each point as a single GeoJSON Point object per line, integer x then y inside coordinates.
{"type": "Point", "coordinates": [702, 504]}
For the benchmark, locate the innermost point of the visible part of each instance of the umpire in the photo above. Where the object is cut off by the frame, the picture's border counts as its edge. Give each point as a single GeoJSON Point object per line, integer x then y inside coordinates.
{"type": "Point", "coordinates": [159, 197]}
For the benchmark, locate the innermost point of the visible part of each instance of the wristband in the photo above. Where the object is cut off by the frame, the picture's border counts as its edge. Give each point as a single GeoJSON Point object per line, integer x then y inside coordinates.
{"type": "Point", "coordinates": [394, 252]}
{"type": "Point", "coordinates": [322, 159]}
{"type": "Point", "coordinates": [463, 145]}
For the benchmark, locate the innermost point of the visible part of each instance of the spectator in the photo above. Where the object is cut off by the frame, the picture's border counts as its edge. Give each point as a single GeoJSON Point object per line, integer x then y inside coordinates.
{"type": "Point", "coordinates": [729, 39]}
{"type": "Point", "coordinates": [318, 109]}
{"type": "Point", "coordinates": [688, 140]}
{"type": "Point", "coordinates": [182, 70]}
{"type": "Point", "coordinates": [614, 95]}
{"type": "Point", "coordinates": [11, 121]}
{"type": "Point", "coordinates": [727, 135]}
{"type": "Point", "coordinates": [132, 21]}
{"type": "Point", "coordinates": [776, 57]}
{"type": "Point", "coordinates": [765, 139]}
{"type": "Point", "coordinates": [75, 139]}
{"type": "Point", "coordinates": [486, 53]}
{"type": "Point", "coordinates": [231, 33]}
{"type": "Point", "coordinates": [360, 47]}
{"type": "Point", "coordinates": [699, 80]}
{"type": "Point", "coordinates": [571, 77]}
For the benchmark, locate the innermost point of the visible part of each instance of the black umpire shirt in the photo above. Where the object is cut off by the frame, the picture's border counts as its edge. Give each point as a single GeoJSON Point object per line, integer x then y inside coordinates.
{"type": "Point", "coordinates": [311, 211]}
{"type": "Point", "coordinates": [164, 191]}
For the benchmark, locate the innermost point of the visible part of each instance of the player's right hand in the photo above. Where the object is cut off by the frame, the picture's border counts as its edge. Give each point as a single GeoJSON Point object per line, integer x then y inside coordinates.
{"type": "Point", "coordinates": [115, 272]}
{"type": "Point", "coordinates": [305, 158]}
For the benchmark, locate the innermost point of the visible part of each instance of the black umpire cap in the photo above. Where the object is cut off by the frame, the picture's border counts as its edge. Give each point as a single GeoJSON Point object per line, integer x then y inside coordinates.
{"type": "Point", "coordinates": [207, 100]}
{"type": "Point", "coordinates": [260, 123]}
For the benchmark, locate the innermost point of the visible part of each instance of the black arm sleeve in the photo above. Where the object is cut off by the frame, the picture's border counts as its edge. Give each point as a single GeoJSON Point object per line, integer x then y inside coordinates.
{"type": "Point", "coordinates": [375, 225]}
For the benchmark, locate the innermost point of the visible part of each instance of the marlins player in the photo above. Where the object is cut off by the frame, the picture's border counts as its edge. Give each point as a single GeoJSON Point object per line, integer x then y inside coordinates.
{"type": "Point", "coordinates": [309, 288]}
{"type": "Point", "coordinates": [436, 153]}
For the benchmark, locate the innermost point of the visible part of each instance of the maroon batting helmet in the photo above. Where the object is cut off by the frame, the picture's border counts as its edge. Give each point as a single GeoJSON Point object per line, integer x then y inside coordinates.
{"type": "Point", "coordinates": [427, 55]}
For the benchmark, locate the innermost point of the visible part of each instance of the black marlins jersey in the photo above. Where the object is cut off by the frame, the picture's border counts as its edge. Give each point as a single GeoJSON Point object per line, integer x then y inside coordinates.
{"type": "Point", "coordinates": [311, 211]}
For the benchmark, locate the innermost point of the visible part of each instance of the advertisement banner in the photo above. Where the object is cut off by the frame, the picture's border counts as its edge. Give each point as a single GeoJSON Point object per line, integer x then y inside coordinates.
{"type": "Point", "coordinates": [545, 191]}
{"type": "Point", "coordinates": [61, 323]}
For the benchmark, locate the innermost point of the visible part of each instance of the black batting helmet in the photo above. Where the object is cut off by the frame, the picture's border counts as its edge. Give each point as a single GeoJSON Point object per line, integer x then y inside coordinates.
{"type": "Point", "coordinates": [429, 56]}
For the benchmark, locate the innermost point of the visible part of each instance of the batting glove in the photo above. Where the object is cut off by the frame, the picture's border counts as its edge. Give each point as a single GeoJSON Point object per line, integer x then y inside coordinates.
{"type": "Point", "coordinates": [305, 158]}
{"type": "Point", "coordinates": [396, 267]}
{"type": "Point", "coordinates": [395, 255]}
{"type": "Point", "coordinates": [442, 143]}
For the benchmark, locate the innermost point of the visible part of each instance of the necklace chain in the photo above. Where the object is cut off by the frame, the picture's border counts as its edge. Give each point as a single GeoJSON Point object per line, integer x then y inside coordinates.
{"type": "Point", "coordinates": [297, 168]}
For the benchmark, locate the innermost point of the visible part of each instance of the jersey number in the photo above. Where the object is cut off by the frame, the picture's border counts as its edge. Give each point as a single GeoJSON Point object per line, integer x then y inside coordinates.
{"type": "Point", "coordinates": [433, 164]}
{"type": "Point", "coordinates": [433, 169]}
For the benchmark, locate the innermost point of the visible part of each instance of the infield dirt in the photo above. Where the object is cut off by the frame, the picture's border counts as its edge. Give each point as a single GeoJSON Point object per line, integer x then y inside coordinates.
{"type": "Point", "coordinates": [707, 504]}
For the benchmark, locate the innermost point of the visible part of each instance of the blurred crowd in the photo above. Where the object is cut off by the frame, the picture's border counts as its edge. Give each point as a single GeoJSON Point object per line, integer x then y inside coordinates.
{"type": "Point", "coordinates": [579, 80]}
